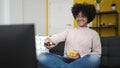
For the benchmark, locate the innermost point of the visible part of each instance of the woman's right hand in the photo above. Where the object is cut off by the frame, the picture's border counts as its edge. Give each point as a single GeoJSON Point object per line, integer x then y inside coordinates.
{"type": "Point", "coordinates": [48, 43]}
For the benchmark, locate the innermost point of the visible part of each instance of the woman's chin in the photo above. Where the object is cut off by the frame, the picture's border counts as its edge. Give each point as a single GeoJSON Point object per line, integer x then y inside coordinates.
{"type": "Point", "coordinates": [81, 26]}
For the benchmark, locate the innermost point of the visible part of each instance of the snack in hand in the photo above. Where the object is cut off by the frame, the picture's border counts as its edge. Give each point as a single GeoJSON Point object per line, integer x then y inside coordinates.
{"type": "Point", "coordinates": [72, 53]}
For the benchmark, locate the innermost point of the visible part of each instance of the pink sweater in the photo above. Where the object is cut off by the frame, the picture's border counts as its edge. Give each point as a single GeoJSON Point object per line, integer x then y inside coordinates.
{"type": "Point", "coordinates": [81, 39]}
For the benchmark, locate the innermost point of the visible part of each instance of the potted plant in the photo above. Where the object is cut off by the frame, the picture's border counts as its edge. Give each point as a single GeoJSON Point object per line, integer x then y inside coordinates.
{"type": "Point", "coordinates": [98, 5]}
{"type": "Point", "coordinates": [98, 1]}
{"type": "Point", "coordinates": [113, 6]}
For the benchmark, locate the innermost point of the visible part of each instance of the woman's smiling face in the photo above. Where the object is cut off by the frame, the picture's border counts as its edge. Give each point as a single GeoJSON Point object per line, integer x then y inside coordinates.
{"type": "Point", "coordinates": [81, 20]}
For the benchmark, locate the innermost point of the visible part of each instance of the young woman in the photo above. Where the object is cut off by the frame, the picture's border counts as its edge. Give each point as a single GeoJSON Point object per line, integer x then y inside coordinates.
{"type": "Point", "coordinates": [83, 41]}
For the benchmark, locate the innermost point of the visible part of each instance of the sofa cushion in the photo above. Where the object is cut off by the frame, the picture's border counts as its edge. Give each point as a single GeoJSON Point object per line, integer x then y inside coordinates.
{"type": "Point", "coordinates": [59, 49]}
{"type": "Point", "coordinates": [110, 52]}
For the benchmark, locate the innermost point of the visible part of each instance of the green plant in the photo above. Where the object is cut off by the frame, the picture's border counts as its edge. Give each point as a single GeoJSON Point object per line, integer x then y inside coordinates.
{"type": "Point", "coordinates": [113, 4]}
{"type": "Point", "coordinates": [98, 1]}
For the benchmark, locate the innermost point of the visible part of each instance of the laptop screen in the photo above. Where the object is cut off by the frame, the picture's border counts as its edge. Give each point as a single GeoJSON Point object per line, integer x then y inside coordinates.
{"type": "Point", "coordinates": [17, 46]}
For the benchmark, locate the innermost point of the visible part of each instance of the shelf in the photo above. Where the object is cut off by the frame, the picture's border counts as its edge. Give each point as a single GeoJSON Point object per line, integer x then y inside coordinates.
{"type": "Point", "coordinates": [107, 12]}
{"type": "Point", "coordinates": [99, 18]}
{"type": "Point", "coordinates": [104, 27]}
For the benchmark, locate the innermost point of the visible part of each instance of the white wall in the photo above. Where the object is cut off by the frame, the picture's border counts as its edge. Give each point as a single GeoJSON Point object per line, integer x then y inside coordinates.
{"type": "Point", "coordinates": [4, 12]}
{"type": "Point", "coordinates": [1, 11]}
{"type": "Point", "coordinates": [60, 16]}
{"type": "Point", "coordinates": [24, 12]}
{"type": "Point", "coordinates": [16, 12]}
{"type": "Point", "coordinates": [34, 12]}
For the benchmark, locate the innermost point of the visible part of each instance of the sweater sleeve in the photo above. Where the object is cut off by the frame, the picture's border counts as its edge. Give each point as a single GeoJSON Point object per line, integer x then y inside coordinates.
{"type": "Point", "coordinates": [59, 37]}
{"type": "Point", "coordinates": [96, 45]}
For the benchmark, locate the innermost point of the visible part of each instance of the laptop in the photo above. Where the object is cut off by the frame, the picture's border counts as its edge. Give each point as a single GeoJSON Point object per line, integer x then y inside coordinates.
{"type": "Point", "coordinates": [17, 46]}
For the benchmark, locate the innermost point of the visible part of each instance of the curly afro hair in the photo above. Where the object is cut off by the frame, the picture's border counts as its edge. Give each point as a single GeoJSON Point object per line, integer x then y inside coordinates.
{"type": "Point", "coordinates": [88, 10]}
